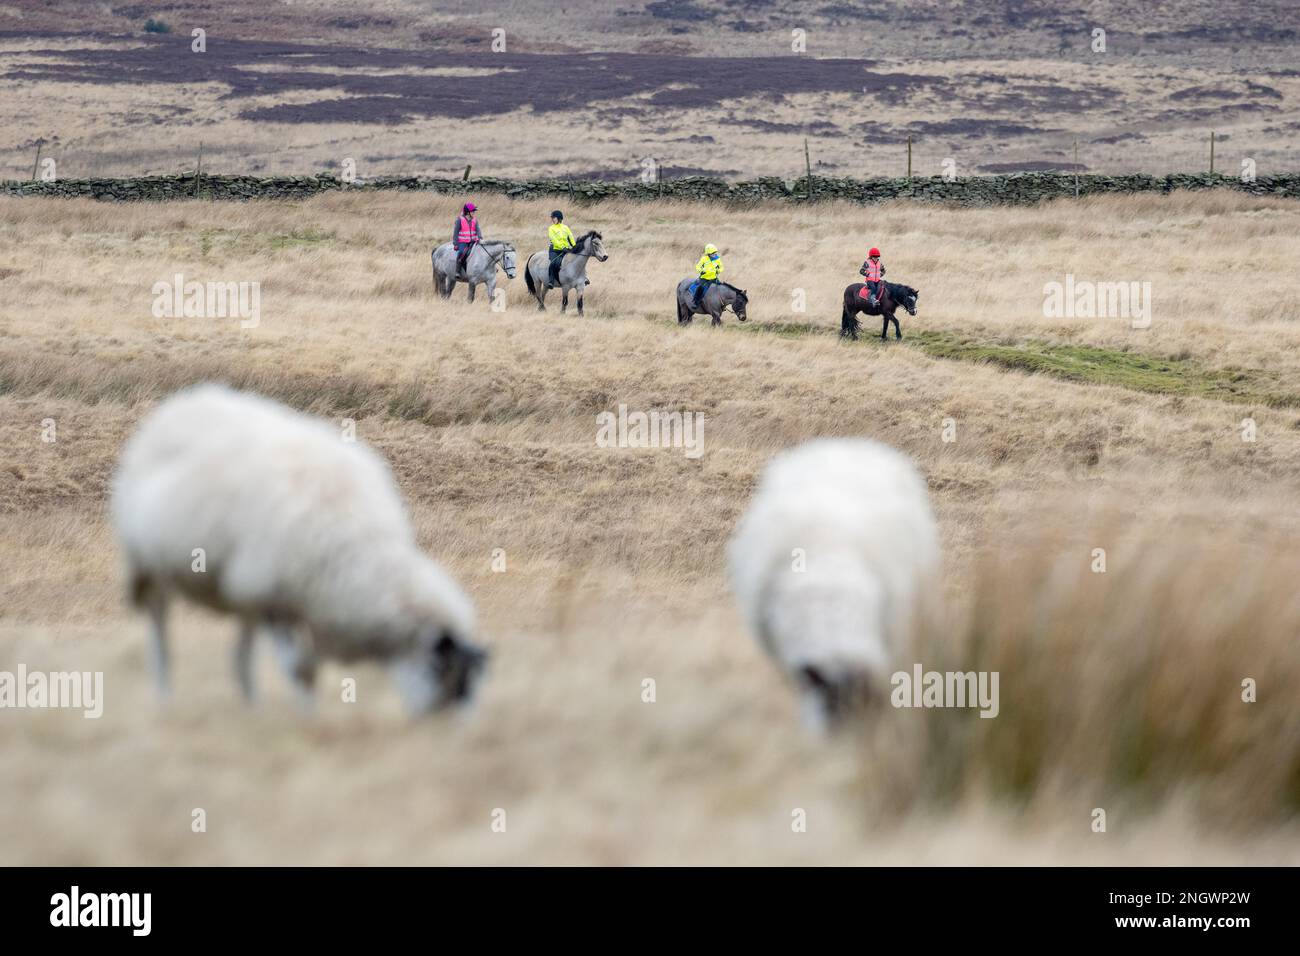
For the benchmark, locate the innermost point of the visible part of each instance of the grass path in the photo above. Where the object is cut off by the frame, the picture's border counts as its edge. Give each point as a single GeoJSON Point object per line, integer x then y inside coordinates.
{"type": "Point", "coordinates": [1082, 363]}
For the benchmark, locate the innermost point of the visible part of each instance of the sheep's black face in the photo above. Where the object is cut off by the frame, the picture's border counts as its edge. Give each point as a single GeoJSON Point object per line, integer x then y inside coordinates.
{"type": "Point", "coordinates": [456, 668]}
{"type": "Point", "coordinates": [834, 697]}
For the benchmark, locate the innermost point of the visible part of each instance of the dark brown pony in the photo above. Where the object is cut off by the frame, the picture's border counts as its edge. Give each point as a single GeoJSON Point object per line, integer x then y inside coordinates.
{"type": "Point", "coordinates": [892, 295]}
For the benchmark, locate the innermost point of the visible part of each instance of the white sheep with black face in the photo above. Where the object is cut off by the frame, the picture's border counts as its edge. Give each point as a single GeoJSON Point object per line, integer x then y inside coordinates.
{"type": "Point", "coordinates": [828, 565]}
{"type": "Point", "coordinates": [251, 508]}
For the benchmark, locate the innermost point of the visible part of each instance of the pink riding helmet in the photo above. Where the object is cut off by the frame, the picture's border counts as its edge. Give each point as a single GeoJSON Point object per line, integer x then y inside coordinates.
{"type": "Point", "coordinates": [470, 207]}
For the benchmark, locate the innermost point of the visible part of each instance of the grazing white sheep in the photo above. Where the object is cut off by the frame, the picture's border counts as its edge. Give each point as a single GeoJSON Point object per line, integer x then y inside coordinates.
{"type": "Point", "coordinates": [827, 565]}
{"type": "Point", "coordinates": [252, 508]}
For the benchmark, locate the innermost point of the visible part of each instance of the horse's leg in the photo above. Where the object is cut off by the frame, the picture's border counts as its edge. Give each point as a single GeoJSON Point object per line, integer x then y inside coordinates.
{"type": "Point", "coordinates": [564, 299]}
{"type": "Point", "coordinates": [539, 290]}
{"type": "Point", "coordinates": [898, 332]}
{"type": "Point", "coordinates": [472, 285]}
{"type": "Point", "coordinates": [580, 289]}
{"type": "Point", "coordinates": [884, 330]}
{"type": "Point", "coordinates": [492, 289]}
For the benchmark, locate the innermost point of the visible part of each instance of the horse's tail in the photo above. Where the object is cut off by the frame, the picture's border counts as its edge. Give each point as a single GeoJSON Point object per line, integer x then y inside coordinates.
{"type": "Point", "coordinates": [528, 275]}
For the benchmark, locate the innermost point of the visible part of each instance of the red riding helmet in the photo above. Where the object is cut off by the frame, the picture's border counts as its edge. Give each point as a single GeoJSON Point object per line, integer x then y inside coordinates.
{"type": "Point", "coordinates": [874, 252]}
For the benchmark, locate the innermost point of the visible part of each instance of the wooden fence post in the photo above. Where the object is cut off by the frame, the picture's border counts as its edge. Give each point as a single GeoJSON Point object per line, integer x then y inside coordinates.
{"type": "Point", "coordinates": [807, 161]}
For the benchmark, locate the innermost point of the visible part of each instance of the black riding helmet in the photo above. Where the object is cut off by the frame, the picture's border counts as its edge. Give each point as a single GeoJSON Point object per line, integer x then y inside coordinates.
{"type": "Point", "coordinates": [557, 215]}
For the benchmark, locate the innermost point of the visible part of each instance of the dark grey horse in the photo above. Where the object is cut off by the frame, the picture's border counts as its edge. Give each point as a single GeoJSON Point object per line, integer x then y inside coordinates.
{"type": "Point", "coordinates": [480, 267]}
{"type": "Point", "coordinates": [573, 270]}
{"type": "Point", "coordinates": [717, 297]}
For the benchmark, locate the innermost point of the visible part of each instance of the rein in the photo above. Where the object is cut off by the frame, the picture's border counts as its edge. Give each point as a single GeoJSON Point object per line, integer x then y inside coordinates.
{"type": "Point", "coordinates": [577, 250]}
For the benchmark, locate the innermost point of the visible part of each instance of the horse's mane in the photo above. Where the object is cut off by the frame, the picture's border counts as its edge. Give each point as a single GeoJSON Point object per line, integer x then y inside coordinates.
{"type": "Point", "coordinates": [898, 285]}
{"type": "Point", "coordinates": [589, 234]}
{"type": "Point", "coordinates": [740, 292]}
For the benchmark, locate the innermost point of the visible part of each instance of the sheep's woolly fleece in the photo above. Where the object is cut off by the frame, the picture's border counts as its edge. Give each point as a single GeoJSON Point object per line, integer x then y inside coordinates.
{"type": "Point", "coordinates": [290, 517]}
{"type": "Point", "coordinates": [831, 555]}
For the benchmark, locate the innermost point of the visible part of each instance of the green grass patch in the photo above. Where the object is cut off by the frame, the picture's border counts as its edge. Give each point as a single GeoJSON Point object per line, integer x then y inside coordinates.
{"type": "Point", "coordinates": [300, 237]}
{"type": "Point", "coordinates": [1123, 369]}
{"type": "Point", "coordinates": [1081, 363]}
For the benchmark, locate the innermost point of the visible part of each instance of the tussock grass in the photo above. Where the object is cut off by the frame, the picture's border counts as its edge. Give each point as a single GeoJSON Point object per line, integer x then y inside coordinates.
{"type": "Point", "coordinates": [1125, 688]}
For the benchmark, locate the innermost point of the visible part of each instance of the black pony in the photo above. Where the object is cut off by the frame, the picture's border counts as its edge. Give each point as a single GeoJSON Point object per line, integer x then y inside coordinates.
{"type": "Point", "coordinates": [893, 294]}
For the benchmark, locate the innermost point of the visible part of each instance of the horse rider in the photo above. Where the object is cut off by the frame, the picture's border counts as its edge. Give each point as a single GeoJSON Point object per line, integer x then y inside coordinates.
{"type": "Point", "coordinates": [874, 270]}
{"type": "Point", "coordinates": [465, 232]}
{"type": "Point", "coordinates": [708, 271]}
{"type": "Point", "coordinates": [562, 241]}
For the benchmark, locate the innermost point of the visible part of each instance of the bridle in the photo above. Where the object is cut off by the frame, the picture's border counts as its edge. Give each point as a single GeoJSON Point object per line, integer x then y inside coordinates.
{"type": "Point", "coordinates": [496, 257]}
{"type": "Point", "coordinates": [587, 242]}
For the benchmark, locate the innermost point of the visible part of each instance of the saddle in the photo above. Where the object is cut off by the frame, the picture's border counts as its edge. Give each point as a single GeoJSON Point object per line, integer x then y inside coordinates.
{"type": "Point", "coordinates": [462, 265]}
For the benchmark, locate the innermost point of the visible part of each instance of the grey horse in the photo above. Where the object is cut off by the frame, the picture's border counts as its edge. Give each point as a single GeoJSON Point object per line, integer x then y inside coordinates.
{"type": "Point", "coordinates": [717, 297]}
{"type": "Point", "coordinates": [573, 270]}
{"type": "Point", "coordinates": [480, 267]}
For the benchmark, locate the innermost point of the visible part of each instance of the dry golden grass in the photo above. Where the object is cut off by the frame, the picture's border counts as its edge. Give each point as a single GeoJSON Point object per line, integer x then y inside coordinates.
{"type": "Point", "coordinates": [1119, 690]}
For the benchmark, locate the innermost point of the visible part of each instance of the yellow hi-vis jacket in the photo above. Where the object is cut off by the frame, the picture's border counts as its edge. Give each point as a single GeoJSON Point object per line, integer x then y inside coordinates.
{"type": "Point", "coordinates": [561, 236]}
{"type": "Point", "coordinates": [709, 267]}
